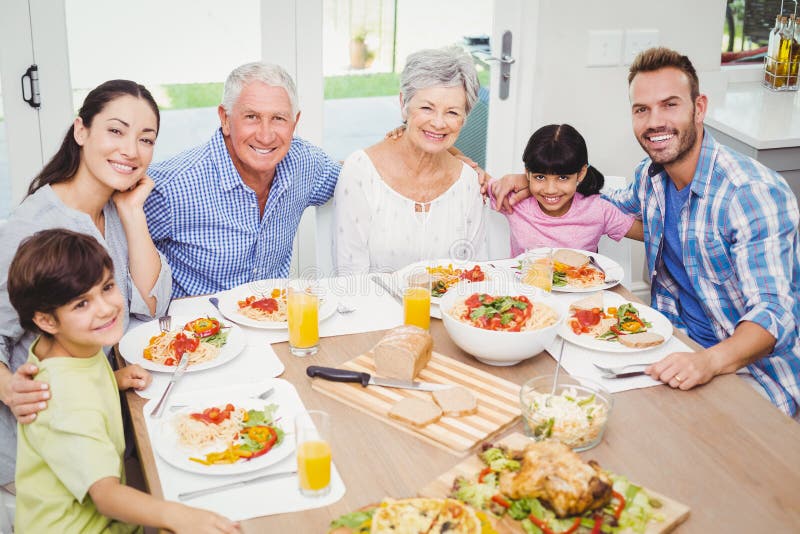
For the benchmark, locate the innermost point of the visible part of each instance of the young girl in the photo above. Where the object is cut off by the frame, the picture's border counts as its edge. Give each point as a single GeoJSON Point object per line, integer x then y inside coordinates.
{"type": "Point", "coordinates": [96, 185]}
{"type": "Point", "coordinates": [70, 471]}
{"type": "Point", "coordinates": [564, 209]}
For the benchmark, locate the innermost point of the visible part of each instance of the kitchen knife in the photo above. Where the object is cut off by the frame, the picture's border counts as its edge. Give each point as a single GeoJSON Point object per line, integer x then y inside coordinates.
{"type": "Point", "coordinates": [623, 375]}
{"type": "Point", "coordinates": [365, 379]}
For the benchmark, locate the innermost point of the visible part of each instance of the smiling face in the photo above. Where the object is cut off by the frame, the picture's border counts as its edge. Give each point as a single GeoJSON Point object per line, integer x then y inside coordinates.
{"type": "Point", "coordinates": [435, 116]}
{"type": "Point", "coordinates": [667, 122]}
{"type": "Point", "coordinates": [258, 131]}
{"type": "Point", "coordinates": [88, 322]}
{"type": "Point", "coordinates": [554, 192]}
{"type": "Point", "coordinates": [118, 146]}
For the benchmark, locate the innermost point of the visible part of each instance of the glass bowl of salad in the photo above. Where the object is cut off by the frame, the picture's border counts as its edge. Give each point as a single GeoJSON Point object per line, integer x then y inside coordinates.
{"type": "Point", "coordinates": [501, 322]}
{"type": "Point", "coordinates": [576, 414]}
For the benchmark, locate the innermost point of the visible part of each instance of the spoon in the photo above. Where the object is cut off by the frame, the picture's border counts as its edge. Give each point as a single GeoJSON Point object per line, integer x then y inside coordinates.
{"type": "Point", "coordinates": [215, 302]}
{"type": "Point", "coordinates": [558, 366]}
{"type": "Point", "coordinates": [344, 307]}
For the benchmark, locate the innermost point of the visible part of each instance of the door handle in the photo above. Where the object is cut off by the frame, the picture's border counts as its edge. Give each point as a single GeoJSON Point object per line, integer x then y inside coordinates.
{"type": "Point", "coordinates": [32, 74]}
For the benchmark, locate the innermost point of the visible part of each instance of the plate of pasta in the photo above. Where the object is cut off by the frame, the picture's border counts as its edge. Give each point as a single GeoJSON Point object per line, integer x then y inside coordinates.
{"type": "Point", "coordinates": [207, 341]}
{"type": "Point", "coordinates": [262, 304]}
{"type": "Point", "coordinates": [443, 274]}
{"type": "Point", "coordinates": [225, 437]}
{"type": "Point", "coordinates": [575, 272]}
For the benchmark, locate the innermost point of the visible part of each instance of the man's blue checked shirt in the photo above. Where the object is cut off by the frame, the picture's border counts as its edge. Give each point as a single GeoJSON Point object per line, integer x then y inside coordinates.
{"type": "Point", "coordinates": [206, 221]}
{"type": "Point", "coordinates": [740, 250]}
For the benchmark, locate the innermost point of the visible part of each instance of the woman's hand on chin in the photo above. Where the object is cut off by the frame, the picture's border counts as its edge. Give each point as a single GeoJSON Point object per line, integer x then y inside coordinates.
{"type": "Point", "coordinates": [133, 199]}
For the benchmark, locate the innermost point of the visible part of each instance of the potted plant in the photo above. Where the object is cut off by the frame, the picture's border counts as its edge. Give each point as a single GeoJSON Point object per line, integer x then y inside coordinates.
{"type": "Point", "coordinates": [359, 54]}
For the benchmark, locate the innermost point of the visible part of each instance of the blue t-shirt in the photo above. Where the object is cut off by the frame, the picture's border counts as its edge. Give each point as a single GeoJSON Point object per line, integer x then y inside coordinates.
{"type": "Point", "coordinates": [689, 307]}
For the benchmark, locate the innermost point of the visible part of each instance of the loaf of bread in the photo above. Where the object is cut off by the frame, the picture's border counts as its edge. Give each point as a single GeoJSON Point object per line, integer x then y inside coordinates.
{"type": "Point", "coordinates": [403, 352]}
{"type": "Point", "coordinates": [456, 401]}
{"type": "Point", "coordinates": [415, 412]}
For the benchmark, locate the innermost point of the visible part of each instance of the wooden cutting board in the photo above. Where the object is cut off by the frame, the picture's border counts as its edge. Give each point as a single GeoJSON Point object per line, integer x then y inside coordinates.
{"type": "Point", "coordinates": [498, 401]}
{"type": "Point", "coordinates": [674, 512]}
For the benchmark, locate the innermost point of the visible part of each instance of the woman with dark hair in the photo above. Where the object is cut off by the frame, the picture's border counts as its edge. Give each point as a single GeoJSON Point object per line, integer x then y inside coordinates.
{"type": "Point", "coordinates": [565, 208]}
{"type": "Point", "coordinates": [96, 185]}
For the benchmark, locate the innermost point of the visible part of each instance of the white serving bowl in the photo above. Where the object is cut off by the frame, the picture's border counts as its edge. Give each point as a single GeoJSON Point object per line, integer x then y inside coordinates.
{"type": "Point", "coordinates": [499, 348]}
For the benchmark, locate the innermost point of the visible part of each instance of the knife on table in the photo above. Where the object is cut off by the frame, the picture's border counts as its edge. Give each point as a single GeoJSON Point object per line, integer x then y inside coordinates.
{"type": "Point", "coordinates": [623, 375]}
{"type": "Point", "coordinates": [223, 487]}
{"type": "Point", "coordinates": [182, 365]}
{"type": "Point", "coordinates": [366, 379]}
{"type": "Point", "coordinates": [378, 280]}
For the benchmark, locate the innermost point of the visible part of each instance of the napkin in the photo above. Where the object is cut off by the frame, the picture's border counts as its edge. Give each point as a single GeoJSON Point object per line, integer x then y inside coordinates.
{"type": "Point", "coordinates": [253, 500]}
{"type": "Point", "coordinates": [578, 361]}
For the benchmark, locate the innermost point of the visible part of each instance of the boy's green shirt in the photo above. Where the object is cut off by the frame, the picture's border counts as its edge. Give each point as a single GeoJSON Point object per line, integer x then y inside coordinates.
{"type": "Point", "coordinates": [72, 444]}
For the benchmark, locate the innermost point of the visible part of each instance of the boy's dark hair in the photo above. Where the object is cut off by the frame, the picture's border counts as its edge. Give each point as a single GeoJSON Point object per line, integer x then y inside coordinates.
{"type": "Point", "coordinates": [658, 58]}
{"type": "Point", "coordinates": [51, 268]}
{"type": "Point", "coordinates": [560, 149]}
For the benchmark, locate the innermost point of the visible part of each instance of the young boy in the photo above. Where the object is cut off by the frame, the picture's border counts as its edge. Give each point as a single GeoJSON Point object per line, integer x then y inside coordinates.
{"type": "Point", "coordinates": [62, 285]}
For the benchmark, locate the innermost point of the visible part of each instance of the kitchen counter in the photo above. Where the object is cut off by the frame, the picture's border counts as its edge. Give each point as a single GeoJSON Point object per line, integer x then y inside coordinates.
{"type": "Point", "coordinates": [762, 124]}
{"type": "Point", "coordinates": [758, 117]}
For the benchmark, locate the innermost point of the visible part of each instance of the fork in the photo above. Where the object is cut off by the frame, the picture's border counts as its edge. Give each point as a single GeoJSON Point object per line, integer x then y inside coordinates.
{"type": "Point", "coordinates": [620, 369]}
{"type": "Point", "coordinates": [345, 307]}
{"type": "Point", "coordinates": [597, 266]}
{"type": "Point", "coordinates": [164, 323]}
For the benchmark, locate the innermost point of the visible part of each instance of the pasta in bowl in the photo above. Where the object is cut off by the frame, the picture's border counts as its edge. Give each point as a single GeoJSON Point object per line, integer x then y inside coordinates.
{"type": "Point", "coordinates": [499, 322]}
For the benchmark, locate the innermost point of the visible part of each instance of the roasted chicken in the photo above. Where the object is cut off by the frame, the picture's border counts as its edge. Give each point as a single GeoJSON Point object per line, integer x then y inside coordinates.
{"type": "Point", "coordinates": [552, 473]}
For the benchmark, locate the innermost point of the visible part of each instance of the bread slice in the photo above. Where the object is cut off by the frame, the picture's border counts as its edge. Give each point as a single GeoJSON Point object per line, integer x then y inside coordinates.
{"type": "Point", "coordinates": [642, 340]}
{"type": "Point", "coordinates": [570, 257]}
{"type": "Point", "coordinates": [415, 412]}
{"type": "Point", "coordinates": [403, 352]}
{"type": "Point", "coordinates": [595, 300]}
{"type": "Point", "coordinates": [456, 401]}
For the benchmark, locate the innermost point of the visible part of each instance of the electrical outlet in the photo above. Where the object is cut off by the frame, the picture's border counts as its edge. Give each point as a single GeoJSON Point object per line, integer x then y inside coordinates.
{"type": "Point", "coordinates": [636, 41]}
{"type": "Point", "coordinates": [605, 47]}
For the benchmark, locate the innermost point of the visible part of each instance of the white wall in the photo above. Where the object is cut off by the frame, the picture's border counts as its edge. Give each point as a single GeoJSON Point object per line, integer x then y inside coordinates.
{"type": "Point", "coordinates": [595, 99]}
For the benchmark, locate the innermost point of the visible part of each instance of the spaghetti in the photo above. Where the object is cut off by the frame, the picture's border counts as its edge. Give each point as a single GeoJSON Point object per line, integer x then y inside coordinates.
{"type": "Point", "coordinates": [503, 313]}
{"type": "Point", "coordinates": [273, 308]}
{"type": "Point", "coordinates": [167, 348]}
{"type": "Point", "coordinates": [200, 432]}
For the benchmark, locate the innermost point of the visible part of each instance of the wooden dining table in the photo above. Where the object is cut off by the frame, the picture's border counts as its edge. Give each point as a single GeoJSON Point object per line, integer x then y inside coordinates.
{"type": "Point", "coordinates": [720, 449]}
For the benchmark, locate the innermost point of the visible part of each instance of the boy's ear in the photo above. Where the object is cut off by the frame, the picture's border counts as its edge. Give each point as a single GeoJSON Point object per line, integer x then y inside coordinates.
{"type": "Point", "coordinates": [46, 322]}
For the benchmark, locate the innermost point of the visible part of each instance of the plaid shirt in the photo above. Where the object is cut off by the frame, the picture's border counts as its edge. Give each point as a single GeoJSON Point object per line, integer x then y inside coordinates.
{"type": "Point", "coordinates": [206, 222]}
{"type": "Point", "coordinates": [741, 251]}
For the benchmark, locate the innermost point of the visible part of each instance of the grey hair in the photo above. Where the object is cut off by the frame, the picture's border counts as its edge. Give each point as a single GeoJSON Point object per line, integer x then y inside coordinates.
{"type": "Point", "coordinates": [440, 67]}
{"type": "Point", "coordinates": [267, 73]}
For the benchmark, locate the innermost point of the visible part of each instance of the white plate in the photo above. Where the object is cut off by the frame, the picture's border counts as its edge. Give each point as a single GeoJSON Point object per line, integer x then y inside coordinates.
{"type": "Point", "coordinates": [167, 445]}
{"type": "Point", "coordinates": [133, 343]}
{"type": "Point", "coordinates": [420, 266]}
{"type": "Point", "coordinates": [229, 303]}
{"type": "Point", "coordinates": [661, 325]}
{"type": "Point", "coordinates": [614, 271]}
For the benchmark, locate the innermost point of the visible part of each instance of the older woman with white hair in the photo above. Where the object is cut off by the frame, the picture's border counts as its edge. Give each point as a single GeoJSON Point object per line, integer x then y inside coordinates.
{"type": "Point", "coordinates": [409, 199]}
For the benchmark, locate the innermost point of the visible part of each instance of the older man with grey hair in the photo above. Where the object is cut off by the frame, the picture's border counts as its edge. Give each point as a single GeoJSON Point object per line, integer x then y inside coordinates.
{"type": "Point", "coordinates": [226, 212]}
{"type": "Point", "coordinates": [408, 199]}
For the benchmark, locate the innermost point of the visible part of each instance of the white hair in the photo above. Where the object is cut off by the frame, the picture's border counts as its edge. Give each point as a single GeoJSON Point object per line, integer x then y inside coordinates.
{"type": "Point", "coordinates": [441, 67]}
{"type": "Point", "coordinates": [268, 73]}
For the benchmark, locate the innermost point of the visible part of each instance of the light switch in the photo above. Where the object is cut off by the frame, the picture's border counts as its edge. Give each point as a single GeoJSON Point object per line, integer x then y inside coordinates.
{"type": "Point", "coordinates": [605, 47]}
{"type": "Point", "coordinates": [637, 41]}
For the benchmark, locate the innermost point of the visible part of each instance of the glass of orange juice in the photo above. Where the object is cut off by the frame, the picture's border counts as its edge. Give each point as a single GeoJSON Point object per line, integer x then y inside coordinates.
{"type": "Point", "coordinates": [302, 301]}
{"type": "Point", "coordinates": [537, 268]}
{"type": "Point", "coordinates": [312, 432]}
{"type": "Point", "coordinates": [417, 299]}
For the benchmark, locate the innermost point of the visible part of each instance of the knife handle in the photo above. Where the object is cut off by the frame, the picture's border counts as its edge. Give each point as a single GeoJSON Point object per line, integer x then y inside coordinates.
{"type": "Point", "coordinates": [337, 375]}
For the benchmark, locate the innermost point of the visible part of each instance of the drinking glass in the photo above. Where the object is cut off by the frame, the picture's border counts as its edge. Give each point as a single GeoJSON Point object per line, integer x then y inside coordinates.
{"type": "Point", "coordinates": [312, 431]}
{"type": "Point", "coordinates": [303, 310]}
{"type": "Point", "coordinates": [417, 299]}
{"type": "Point", "coordinates": [537, 268]}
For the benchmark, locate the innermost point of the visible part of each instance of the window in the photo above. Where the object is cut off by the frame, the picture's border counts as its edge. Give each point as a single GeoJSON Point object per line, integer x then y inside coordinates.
{"type": "Point", "coordinates": [746, 29]}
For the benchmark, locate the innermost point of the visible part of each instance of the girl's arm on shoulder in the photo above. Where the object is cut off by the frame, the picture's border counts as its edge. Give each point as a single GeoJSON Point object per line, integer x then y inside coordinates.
{"type": "Point", "coordinates": [636, 231]}
{"type": "Point", "coordinates": [129, 505]}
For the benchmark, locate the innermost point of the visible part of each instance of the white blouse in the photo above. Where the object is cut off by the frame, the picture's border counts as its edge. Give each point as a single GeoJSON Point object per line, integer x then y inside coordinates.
{"type": "Point", "coordinates": [379, 230]}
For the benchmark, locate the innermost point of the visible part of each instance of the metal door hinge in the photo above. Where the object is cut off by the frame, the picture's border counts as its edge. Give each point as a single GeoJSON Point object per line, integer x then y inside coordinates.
{"type": "Point", "coordinates": [35, 99]}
